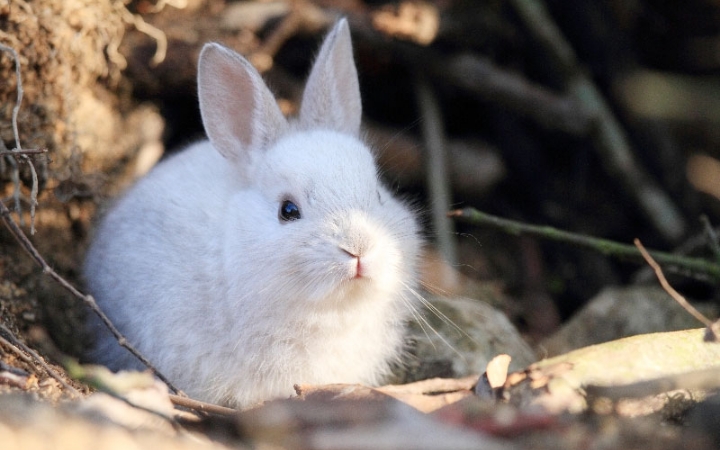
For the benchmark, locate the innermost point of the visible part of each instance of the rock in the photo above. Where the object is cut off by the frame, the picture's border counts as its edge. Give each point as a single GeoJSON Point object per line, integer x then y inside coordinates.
{"type": "Point", "coordinates": [458, 336]}
{"type": "Point", "coordinates": [620, 312]}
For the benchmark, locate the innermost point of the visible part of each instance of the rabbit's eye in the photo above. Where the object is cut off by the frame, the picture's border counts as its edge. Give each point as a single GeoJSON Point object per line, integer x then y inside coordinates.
{"type": "Point", "coordinates": [289, 211]}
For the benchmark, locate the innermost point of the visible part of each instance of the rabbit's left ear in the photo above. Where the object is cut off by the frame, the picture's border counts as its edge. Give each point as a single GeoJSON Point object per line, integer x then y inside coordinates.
{"type": "Point", "coordinates": [332, 94]}
{"type": "Point", "coordinates": [239, 112]}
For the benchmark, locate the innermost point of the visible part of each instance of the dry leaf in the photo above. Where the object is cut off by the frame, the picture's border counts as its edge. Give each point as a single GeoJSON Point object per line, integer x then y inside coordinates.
{"type": "Point", "coordinates": [425, 396]}
{"type": "Point", "coordinates": [497, 370]}
{"type": "Point", "coordinates": [558, 383]}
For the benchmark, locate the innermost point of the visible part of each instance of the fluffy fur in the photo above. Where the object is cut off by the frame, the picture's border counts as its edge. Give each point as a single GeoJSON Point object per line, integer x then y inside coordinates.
{"type": "Point", "coordinates": [233, 304]}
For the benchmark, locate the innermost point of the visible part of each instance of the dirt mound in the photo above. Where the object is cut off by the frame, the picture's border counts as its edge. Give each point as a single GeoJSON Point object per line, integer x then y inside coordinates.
{"type": "Point", "coordinates": [75, 105]}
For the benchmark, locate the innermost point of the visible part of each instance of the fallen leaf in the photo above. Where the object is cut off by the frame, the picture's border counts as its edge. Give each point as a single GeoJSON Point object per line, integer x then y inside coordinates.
{"type": "Point", "coordinates": [557, 384]}
{"type": "Point", "coordinates": [425, 396]}
{"type": "Point", "coordinates": [497, 370]}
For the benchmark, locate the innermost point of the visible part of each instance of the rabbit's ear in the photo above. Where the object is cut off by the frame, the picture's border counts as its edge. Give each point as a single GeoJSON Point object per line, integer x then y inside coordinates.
{"type": "Point", "coordinates": [238, 111]}
{"type": "Point", "coordinates": [332, 93]}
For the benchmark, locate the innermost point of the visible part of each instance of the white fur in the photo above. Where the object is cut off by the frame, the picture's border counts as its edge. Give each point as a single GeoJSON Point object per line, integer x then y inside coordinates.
{"type": "Point", "coordinates": [232, 304]}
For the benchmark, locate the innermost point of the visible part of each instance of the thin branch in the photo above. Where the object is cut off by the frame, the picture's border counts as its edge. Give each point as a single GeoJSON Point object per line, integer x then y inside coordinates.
{"type": "Point", "coordinates": [16, 134]}
{"type": "Point", "coordinates": [171, 420]}
{"type": "Point", "coordinates": [15, 350]}
{"type": "Point", "coordinates": [712, 236]}
{"type": "Point", "coordinates": [17, 344]}
{"type": "Point", "coordinates": [263, 57]}
{"type": "Point", "coordinates": [694, 266]}
{"type": "Point", "coordinates": [27, 151]}
{"type": "Point", "coordinates": [87, 299]}
{"type": "Point", "coordinates": [611, 141]}
{"type": "Point", "coordinates": [202, 407]}
{"type": "Point", "coordinates": [669, 289]}
{"type": "Point", "coordinates": [18, 147]}
{"type": "Point", "coordinates": [436, 168]}
{"type": "Point", "coordinates": [482, 78]}
{"type": "Point", "coordinates": [116, 385]}
{"type": "Point", "coordinates": [18, 101]}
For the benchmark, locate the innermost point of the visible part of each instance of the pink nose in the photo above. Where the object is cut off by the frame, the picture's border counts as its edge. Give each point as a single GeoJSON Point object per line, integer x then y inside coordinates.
{"type": "Point", "coordinates": [359, 266]}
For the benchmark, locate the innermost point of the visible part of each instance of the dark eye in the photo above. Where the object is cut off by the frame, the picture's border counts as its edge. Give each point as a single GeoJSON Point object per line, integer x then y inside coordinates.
{"type": "Point", "coordinates": [289, 211]}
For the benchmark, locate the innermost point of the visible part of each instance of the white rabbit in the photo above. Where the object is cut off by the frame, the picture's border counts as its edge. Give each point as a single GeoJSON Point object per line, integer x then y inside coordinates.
{"type": "Point", "coordinates": [268, 256]}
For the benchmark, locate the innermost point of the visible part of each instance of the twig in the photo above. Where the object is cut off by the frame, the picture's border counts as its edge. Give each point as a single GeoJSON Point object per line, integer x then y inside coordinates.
{"type": "Point", "coordinates": [691, 245]}
{"type": "Point", "coordinates": [712, 236]}
{"type": "Point", "coordinates": [302, 15]}
{"type": "Point", "coordinates": [18, 147]}
{"type": "Point", "coordinates": [87, 299]}
{"type": "Point", "coordinates": [604, 246]}
{"type": "Point", "coordinates": [15, 350]}
{"type": "Point", "coordinates": [436, 168]}
{"type": "Point", "coordinates": [548, 35]}
{"type": "Point", "coordinates": [27, 151]}
{"type": "Point", "coordinates": [18, 101]}
{"type": "Point", "coordinates": [610, 138]}
{"type": "Point", "coordinates": [707, 379]}
{"type": "Point", "coordinates": [171, 420]}
{"type": "Point", "coordinates": [16, 343]}
{"type": "Point", "coordinates": [202, 407]}
{"type": "Point", "coordinates": [480, 77]}
{"type": "Point", "coordinates": [669, 289]}
{"type": "Point", "coordinates": [116, 385]}
{"type": "Point", "coordinates": [263, 57]}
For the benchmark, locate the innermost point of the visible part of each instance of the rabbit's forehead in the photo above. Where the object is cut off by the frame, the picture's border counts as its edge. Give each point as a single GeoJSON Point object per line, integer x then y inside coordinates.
{"type": "Point", "coordinates": [324, 162]}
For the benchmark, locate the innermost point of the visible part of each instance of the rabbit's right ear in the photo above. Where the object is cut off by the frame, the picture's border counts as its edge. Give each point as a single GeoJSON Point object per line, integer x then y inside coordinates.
{"type": "Point", "coordinates": [238, 111]}
{"type": "Point", "coordinates": [332, 92]}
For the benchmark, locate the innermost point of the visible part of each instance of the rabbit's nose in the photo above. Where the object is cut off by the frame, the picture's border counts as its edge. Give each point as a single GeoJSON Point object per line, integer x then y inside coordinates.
{"type": "Point", "coordinates": [354, 231]}
{"type": "Point", "coordinates": [360, 268]}
{"type": "Point", "coordinates": [355, 244]}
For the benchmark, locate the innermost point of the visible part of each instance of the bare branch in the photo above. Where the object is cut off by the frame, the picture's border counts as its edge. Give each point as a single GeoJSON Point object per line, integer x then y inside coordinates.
{"type": "Point", "coordinates": [16, 345]}
{"type": "Point", "coordinates": [262, 59]}
{"type": "Point", "coordinates": [18, 147]}
{"type": "Point", "coordinates": [712, 236]}
{"type": "Point", "coordinates": [694, 266]}
{"type": "Point", "coordinates": [436, 169]}
{"type": "Point", "coordinates": [31, 151]}
{"type": "Point", "coordinates": [87, 299]}
{"type": "Point", "coordinates": [16, 108]}
{"type": "Point", "coordinates": [670, 290]}
{"type": "Point", "coordinates": [202, 407]}
{"type": "Point", "coordinates": [611, 141]}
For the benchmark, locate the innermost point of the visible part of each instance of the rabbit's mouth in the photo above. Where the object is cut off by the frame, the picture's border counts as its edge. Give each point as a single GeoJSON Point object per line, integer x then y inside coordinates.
{"type": "Point", "coordinates": [352, 290]}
